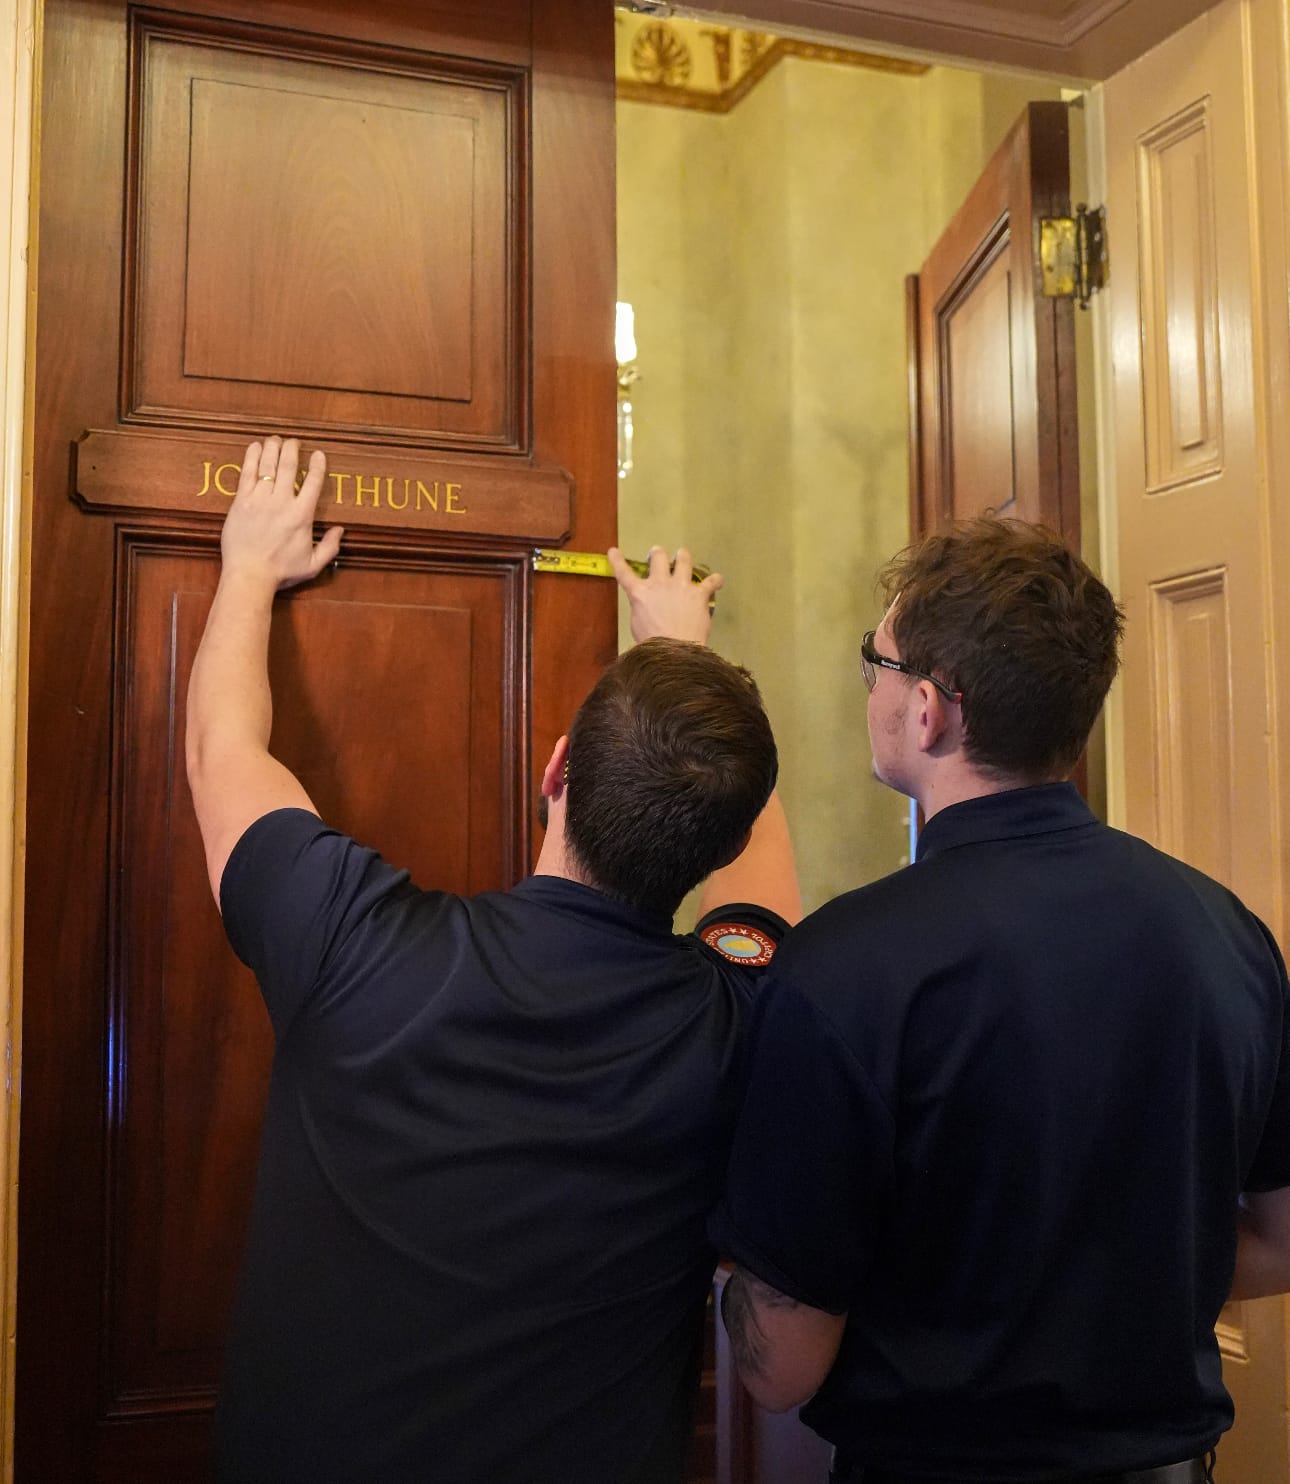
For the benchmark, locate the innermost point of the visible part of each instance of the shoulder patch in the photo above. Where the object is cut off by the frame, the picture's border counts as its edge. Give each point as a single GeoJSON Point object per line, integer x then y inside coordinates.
{"type": "Point", "coordinates": [740, 943]}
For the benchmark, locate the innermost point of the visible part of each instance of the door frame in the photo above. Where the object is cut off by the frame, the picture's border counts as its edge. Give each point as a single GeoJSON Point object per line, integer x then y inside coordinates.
{"type": "Point", "coordinates": [20, 49]}
{"type": "Point", "coordinates": [20, 53]}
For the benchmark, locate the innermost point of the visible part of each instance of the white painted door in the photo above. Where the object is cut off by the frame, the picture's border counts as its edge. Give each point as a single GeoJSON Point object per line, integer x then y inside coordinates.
{"type": "Point", "coordinates": [1189, 368]}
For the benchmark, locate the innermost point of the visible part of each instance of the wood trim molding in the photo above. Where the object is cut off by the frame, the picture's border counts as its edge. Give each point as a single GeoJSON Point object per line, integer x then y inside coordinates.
{"type": "Point", "coordinates": [19, 70]}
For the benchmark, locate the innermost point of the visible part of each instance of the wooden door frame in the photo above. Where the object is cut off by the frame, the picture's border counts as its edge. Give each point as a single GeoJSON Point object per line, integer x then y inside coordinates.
{"type": "Point", "coordinates": [20, 50]}
{"type": "Point", "coordinates": [20, 43]}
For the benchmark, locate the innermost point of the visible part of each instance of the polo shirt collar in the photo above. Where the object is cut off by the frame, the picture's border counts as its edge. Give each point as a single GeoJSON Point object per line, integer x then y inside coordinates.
{"type": "Point", "coordinates": [1039, 810]}
{"type": "Point", "coordinates": [592, 904]}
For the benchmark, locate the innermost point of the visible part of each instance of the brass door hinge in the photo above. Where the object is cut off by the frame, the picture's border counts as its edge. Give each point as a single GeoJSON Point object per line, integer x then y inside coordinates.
{"type": "Point", "coordinates": [1073, 260]}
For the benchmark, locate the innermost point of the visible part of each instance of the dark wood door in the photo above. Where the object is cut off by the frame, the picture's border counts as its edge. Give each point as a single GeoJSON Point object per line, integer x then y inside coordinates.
{"type": "Point", "coordinates": [389, 228]}
{"type": "Point", "coordinates": [992, 362]}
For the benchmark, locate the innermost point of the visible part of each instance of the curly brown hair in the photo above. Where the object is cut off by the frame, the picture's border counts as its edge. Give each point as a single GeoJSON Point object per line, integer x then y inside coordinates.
{"type": "Point", "coordinates": [671, 760]}
{"type": "Point", "coordinates": [1009, 615]}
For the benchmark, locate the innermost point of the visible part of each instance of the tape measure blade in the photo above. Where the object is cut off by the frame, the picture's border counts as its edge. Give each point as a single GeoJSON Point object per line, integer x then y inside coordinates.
{"type": "Point", "coordinates": [577, 563]}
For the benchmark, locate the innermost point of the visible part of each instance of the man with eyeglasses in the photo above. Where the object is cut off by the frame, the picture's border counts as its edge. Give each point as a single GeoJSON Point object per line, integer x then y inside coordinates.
{"type": "Point", "coordinates": [1006, 1103]}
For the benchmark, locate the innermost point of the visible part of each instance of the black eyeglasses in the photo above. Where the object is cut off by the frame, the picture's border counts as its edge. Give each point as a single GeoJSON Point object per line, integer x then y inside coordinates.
{"type": "Point", "coordinates": [870, 659]}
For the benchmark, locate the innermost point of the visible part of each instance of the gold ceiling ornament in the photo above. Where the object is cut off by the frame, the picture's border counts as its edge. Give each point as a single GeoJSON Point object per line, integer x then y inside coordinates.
{"type": "Point", "coordinates": [752, 44]}
{"type": "Point", "coordinates": [660, 56]}
{"type": "Point", "coordinates": [720, 37]}
{"type": "Point", "coordinates": [683, 64]}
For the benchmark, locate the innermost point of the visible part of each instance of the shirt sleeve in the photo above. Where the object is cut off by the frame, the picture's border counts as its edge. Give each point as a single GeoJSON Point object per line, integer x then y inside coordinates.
{"type": "Point", "coordinates": [812, 1159]}
{"type": "Point", "coordinates": [742, 933]}
{"type": "Point", "coordinates": [1270, 1169]}
{"type": "Point", "coordinates": [291, 893]}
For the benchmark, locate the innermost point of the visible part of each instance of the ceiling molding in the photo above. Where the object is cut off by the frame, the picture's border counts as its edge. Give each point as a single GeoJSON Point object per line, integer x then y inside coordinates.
{"type": "Point", "coordinates": [1093, 39]}
{"type": "Point", "coordinates": [1087, 17]}
{"type": "Point", "coordinates": [665, 74]}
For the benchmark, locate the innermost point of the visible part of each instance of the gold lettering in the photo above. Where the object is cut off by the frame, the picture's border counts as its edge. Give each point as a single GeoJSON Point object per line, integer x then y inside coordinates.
{"type": "Point", "coordinates": [206, 478]}
{"type": "Point", "coordinates": [340, 486]}
{"type": "Point", "coordinates": [450, 507]}
{"type": "Point", "coordinates": [389, 495]}
{"type": "Point", "coordinates": [361, 489]}
{"type": "Point", "coordinates": [431, 499]}
{"type": "Point", "coordinates": [219, 480]}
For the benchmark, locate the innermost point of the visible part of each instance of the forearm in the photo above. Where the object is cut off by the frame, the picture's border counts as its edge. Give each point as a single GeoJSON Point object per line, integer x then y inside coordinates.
{"type": "Point", "coordinates": [764, 872]}
{"type": "Point", "coordinates": [783, 1349]}
{"type": "Point", "coordinates": [267, 544]}
{"type": "Point", "coordinates": [229, 701]}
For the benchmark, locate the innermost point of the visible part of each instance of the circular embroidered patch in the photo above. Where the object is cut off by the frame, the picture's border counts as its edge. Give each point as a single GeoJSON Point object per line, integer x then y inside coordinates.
{"type": "Point", "coordinates": [740, 943]}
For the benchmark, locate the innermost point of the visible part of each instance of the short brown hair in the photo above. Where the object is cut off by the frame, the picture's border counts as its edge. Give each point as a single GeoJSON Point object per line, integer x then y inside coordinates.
{"type": "Point", "coordinates": [1007, 614]}
{"type": "Point", "coordinates": [671, 760]}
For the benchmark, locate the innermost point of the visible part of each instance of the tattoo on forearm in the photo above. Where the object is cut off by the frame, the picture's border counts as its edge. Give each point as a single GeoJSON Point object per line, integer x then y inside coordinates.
{"type": "Point", "coordinates": [741, 1298]}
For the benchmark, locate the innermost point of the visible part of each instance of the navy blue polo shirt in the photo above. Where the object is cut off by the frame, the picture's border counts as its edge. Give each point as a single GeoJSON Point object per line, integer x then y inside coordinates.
{"type": "Point", "coordinates": [495, 1129]}
{"type": "Point", "coordinates": [1001, 1108]}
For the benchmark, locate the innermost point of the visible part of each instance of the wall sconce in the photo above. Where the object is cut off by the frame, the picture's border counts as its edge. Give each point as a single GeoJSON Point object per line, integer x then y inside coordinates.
{"type": "Point", "coordinates": [625, 355]}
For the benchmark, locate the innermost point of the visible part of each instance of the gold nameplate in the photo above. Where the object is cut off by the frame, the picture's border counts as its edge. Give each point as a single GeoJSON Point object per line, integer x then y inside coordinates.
{"type": "Point", "coordinates": [364, 486]}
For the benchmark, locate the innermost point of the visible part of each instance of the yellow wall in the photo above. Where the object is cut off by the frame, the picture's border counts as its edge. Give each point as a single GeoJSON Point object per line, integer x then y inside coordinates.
{"type": "Point", "coordinates": [765, 251]}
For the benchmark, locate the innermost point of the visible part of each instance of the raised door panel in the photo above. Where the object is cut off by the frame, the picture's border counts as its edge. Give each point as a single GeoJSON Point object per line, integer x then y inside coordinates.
{"type": "Point", "coordinates": [325, 235]}
{"type": "Point", "coordinates": [979, 439]}
{"type": "Point", "coordinates": [190, 1039]}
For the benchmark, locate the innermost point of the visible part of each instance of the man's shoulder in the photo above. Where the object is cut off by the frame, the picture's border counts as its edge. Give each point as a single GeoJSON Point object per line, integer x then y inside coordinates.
{"type": "Point", "coordinates": [1155, 867]}
{"type": "Point", "coordinates": [743, 934]}
{"type": "Point", "coordinates": [858, 913]}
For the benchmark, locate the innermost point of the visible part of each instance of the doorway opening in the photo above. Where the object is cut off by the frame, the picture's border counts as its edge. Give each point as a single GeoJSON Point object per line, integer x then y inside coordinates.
{"type": "Point", "coordinates": [772, 196]}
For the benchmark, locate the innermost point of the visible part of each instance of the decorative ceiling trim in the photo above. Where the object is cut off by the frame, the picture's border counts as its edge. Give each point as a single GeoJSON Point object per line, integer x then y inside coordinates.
{"type": "Point", "coordinates": [1088, 17]}
{"type": "Point", "coordinates": [769, 52]}
{"type": "Point", "coordinates": [1002, 20]}
{"type": "Point", "coordinates": [1091, 40]}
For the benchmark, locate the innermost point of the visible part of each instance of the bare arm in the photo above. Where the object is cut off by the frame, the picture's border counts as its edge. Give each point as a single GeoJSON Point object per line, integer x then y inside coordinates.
{"type": "Point", "coordinates": [668, 604]}
{"type": "Point", "coordinates": [267, 544]}
{"type": "Point", "coordinates": [1262, 1245]}
{"type": "Point", "coordinates": [783, 1349]}
{"type": "Point", "coordinates": [764, 872]}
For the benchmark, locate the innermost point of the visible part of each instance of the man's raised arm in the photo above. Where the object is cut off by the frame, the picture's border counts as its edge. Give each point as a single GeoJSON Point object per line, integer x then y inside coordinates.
{"type": "Point", "coordinates": [669, 604]}
{"type": "Point", "coordinates": [267, 544]}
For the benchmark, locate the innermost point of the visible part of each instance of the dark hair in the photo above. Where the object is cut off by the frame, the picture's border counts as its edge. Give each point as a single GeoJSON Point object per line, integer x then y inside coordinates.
{"type": "Point", "coordinates": [671, 759]}
{"type": "Point", "coordinates": [1006, 613]}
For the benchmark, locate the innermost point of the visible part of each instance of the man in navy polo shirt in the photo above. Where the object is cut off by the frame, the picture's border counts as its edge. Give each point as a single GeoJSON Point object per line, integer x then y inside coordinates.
{"type": "Point", "coordinates": [1004, 1103]}
{"type": "Point", "coordinates": [496, 1126]}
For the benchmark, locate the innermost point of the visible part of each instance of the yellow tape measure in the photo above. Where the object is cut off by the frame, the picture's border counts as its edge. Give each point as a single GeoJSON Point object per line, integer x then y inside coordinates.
{"type": "Point", "coordinates": [592, 564]}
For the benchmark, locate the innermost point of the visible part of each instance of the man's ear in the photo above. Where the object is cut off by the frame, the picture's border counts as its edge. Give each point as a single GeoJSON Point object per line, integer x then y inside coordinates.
{"type": "Point", "coordinates": [931, 714]}
{"type": "Point", "coordinates": [553, 776]}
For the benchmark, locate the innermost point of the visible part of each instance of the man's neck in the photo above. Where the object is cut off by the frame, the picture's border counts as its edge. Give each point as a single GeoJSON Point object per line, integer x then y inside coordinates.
{"type": "Point", "coordinates": [555, 858]}
{"type": "Point", "coordinates": [958, 785]}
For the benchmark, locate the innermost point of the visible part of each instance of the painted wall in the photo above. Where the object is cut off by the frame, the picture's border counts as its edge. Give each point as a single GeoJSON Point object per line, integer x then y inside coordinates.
{"type": "Point", "coordinates": [765, 252]}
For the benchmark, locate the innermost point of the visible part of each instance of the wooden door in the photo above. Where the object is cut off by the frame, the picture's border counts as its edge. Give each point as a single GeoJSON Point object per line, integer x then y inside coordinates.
{"type": "Point", "coordinates": [1197, 710]}
{"type": "Point", "coordinates": [991, 361]}
{"type": "Point", "coordinates": [389, 228]}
